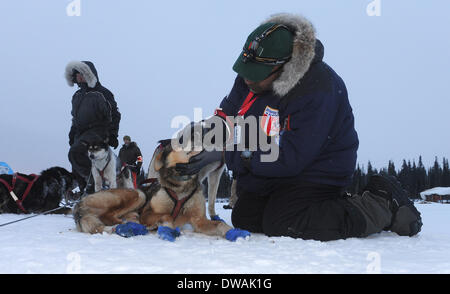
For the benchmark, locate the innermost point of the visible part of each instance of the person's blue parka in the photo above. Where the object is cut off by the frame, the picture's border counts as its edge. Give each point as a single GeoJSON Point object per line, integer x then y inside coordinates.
{"type": "Point", "coordinates": [314, 124]}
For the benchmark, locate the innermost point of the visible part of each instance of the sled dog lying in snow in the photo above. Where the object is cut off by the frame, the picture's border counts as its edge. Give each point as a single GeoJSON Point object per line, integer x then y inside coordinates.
{"type": "Point", "coordinates": [172, 201]}
{"type": "Point", "coordinates": [20, 193]}
{"type": "Point", "coordinates": [105, 168]}
{"type": "Point", "coordinates": [212, 172]}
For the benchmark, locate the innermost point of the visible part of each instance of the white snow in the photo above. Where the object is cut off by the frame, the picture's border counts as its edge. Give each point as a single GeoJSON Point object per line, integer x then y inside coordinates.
{"type": "Point", "coordinates": [50, 244]}
{"type": "Point", "coordinates": [435, 190]}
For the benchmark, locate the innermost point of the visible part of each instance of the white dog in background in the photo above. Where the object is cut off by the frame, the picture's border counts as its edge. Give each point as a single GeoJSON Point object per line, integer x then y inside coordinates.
{"type": "Point", "coordinates": [104, 165]}
{"type": "Point", "coordinates": [106, 169]}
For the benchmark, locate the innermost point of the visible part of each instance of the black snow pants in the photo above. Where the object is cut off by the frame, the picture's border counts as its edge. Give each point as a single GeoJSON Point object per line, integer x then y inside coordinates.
{"type": "Point", "coordinates": [78, 153]}
{"type": "Point", "coordinates": [311, 211]}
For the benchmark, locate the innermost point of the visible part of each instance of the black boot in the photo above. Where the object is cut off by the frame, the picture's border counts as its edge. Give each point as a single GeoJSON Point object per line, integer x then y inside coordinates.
{"type": "Point", "coordinates": [406, 220]}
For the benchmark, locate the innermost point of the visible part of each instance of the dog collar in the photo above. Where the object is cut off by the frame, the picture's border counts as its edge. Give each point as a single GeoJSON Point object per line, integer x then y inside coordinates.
{"type": "Point", "coordinates": [101, 172]}
{"type": "Point", "coordinates": [178, 203]}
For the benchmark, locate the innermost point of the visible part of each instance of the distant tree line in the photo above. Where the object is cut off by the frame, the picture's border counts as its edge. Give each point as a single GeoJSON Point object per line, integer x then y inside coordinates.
{"type": "Point", "coordinates": [413, 177]}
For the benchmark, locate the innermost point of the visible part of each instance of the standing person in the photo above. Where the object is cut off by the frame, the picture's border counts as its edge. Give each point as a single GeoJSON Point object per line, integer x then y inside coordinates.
{"type": "Point", "coordinates": [302, 105]}
{"type": "Point", "coordinates": [95, 117]}
{"type": "Point", "coordinates": [131, 155]}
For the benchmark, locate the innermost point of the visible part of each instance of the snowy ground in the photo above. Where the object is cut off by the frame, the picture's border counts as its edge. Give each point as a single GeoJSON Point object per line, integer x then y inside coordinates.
{"type": "Point", "coordinates": [50, 244]}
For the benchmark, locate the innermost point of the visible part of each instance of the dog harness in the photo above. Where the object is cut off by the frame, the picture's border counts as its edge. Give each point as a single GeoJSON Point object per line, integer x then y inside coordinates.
{"type": "Point", "coordinates": [13, 185]}
{"type": "Point", "coordinates": [179, 203]}
{"type": "Point", "coordinates": [102, 172]}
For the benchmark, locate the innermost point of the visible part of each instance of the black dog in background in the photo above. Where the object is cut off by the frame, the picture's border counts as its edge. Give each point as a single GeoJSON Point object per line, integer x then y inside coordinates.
{"type": "Point", "coordinates": [45, 193]}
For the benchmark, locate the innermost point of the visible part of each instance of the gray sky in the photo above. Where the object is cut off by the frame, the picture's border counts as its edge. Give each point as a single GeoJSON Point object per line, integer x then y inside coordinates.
{"type": "Point", "coordinates": [163, 58]}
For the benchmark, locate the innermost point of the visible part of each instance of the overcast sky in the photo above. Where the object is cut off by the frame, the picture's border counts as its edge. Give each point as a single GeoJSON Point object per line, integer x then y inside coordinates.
{"type": "Point", "coordinates": [163, 58]}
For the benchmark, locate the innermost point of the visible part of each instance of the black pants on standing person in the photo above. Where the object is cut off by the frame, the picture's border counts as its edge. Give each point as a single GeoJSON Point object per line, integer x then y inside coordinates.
{"type": "Point", "coordinates": [324, 213]}
{"type": "Point", "coordinates": [79, 159]}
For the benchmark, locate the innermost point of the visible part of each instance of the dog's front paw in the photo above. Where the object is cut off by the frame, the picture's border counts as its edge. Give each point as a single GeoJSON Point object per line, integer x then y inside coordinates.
{"type": "Point", "coordinates": [167, 233]}
{"type": "Point", "coordinates": [130, 229]}
{"type": "Point", "coordinates": [217, 218]}
{"type": "Point", "coordinates": [233, 234]}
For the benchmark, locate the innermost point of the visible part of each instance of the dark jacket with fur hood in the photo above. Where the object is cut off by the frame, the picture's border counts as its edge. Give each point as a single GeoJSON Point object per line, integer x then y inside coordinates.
{"type": "Point", "coordinates": [93, 106]}
{"type": "Point", "coordinates": [317, 139]}
{"type": "Point", "coordinates": [131, 155]}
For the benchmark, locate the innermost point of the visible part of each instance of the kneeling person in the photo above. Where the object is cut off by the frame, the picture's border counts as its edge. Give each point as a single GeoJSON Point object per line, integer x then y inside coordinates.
{"type": "Point", "coordinates": [303, 105]}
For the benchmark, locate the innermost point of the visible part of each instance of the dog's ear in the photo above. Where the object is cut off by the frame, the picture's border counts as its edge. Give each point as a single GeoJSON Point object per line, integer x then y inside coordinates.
{"type": "Point", "coordinates": [158, 161]}
{"type": "Point", "coordinates": [165, 142]}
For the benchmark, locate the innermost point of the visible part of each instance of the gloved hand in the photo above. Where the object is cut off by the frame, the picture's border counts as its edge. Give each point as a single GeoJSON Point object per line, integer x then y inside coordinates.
{"type": "Point", "coordinates": [199, 161]}
{"type": "Point", "coordinates": [130, 229]}
{"type": "Point", "coordinates": [138, 165]}
{"type": "Point", "coordinates": [113, 141]}
{"type": "Point", "coordinates": [167, 233]}
{"type": "Point", "coordinates": [233, 234]}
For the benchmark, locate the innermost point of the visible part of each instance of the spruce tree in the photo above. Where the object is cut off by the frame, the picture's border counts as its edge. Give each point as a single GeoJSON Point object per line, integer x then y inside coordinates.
{"type": "Point", "coordinates": [422, 183]}
{"type": "Point", "coordinates": [445, 180]}
{"type": "Point", "coordinates": [435, 174]}
{"type": "Point", "coordinates": [391, 169]}
{"type": "Point", "coordinates": [370, 170]}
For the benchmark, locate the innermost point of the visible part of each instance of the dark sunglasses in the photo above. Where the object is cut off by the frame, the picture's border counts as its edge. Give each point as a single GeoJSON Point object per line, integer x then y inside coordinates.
{"type": "Point", "coordinates": [249, 54]}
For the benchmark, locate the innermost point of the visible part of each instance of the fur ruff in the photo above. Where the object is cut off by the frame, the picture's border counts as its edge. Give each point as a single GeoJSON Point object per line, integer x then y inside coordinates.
{"type": "Point", "coordinates": [84, 70]}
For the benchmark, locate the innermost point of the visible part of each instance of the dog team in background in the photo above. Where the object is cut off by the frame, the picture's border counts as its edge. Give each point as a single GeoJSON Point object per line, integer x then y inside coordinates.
{"type": "Point", "coordinates": [165, 205]}
{"type": "Point", "coordinates": [303, 105]}
{"type": "Point", "coordinates": [94, 130]}
{"type": "Point", "coordinates": [111, 199]}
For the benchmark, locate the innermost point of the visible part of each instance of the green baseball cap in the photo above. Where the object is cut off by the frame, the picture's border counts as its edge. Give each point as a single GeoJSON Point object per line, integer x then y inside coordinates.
{"type": "Point", "coordinates": [268, 45]}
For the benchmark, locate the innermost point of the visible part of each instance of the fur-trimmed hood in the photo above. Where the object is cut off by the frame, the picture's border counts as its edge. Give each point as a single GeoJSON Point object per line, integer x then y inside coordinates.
{"type": "Point", "coordinates": [86, 69]}
{"type": "Point", "coordinates": [303, 51]}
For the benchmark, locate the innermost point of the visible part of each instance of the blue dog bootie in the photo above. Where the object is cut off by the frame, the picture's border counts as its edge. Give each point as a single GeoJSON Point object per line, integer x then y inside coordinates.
{"type": "Point", "coordinates": [217, 218]}
{"type": "Point", "coordinates": [130, 229]}
{"type": "Point", "coordinates": [233, 234]}
{"type": "Point", "coordinates": [167, 233]}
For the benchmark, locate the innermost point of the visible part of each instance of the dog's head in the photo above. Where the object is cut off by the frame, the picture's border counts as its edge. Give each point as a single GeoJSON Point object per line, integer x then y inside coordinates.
{"type": "Point", "coordinates": [124, 178]}
{"type": "Point", "coordinates": [166, 160]}
{"type": "Point", "coordinates": [97, 145]}
{"type": "Point", "coordinates": [65, 180]}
